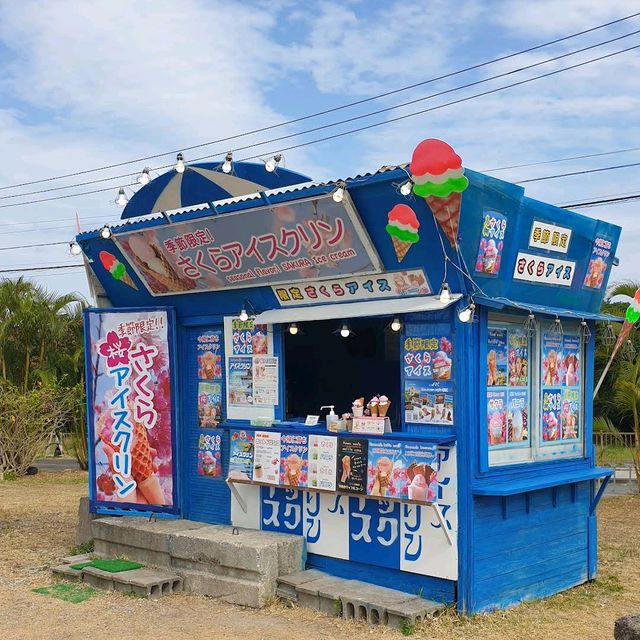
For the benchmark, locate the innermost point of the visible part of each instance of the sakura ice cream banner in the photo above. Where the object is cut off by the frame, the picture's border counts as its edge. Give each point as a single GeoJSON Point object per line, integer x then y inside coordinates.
{"type": "Point", "coordinates": [544, 270]}
{"type": "Point", "coordinates": [130, 407]}
{"type": "Point", "coordinates": [399, 284]}
{"type": "Point", "coordinates": [494, 226]}
{"type": "Point", "coordinates": [310, 239]}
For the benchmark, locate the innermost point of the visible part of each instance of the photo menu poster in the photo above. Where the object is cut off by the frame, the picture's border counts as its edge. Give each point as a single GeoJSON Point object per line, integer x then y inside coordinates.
{"type": "Point", "coordinates": [266, 457]}
{"type": "Point", "coordinates": [351, 475]}
{"type": "Point", "coordinates": [323, 459]}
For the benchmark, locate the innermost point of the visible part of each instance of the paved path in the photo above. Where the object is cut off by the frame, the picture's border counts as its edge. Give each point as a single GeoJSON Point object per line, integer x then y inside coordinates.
{"type": "Point", "coordinates": [56, 464]}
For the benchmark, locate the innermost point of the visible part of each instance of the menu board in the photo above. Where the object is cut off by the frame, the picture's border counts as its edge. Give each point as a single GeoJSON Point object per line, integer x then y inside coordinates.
{"type": "Point", "coordinates": [294, 459]}
{"type": "Point", "coordinates": [561, 391]}
{"type": "Point", "coordinates": [507, 380]}
{"type": "Point", "coordinates": [351, 472]}
{"type": "Point", "coordinates": [266, 457]}
{"type": "Point", "coordinates": [428, 380]}
{"type": "Point", "coordinates": [323, 457]}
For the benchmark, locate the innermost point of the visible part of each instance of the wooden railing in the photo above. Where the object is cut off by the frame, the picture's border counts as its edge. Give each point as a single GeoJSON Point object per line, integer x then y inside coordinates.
{"type": "Point", "coordinates": [614, 440]}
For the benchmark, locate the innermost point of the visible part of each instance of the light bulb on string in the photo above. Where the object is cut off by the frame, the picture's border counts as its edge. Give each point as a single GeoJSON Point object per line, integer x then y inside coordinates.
{"type": "Point", "coordinates": [293, 329]}
{"type": "Point", "coordinates": [144, 178]}
{"type": "Point", "coordinates": [243, 315]}
{"type": "Point", "coordinates": [75, 248]}
{"type": "Point", "coordinates": [226, 165]}
{"type": "Point", "coordinates": [628, 351]}
{"type": "Point", "coordinates": [445, 293]}
{"type": "Point", "coordinates": [272, 163]}
{"type": "Point", "coordinates": [406, 188]}
{"type": "Point", "coordinates": [122, 199]}
{"type": "Point", "coordinates": [395, 325]}
{"type": "Point", "coordinates": [345, 332]}
{"type": "Point", "coordinates": [105, 232]}
{"type": "Point", "coordinates": [609, 336]}
{"type": "Point", "coordinates": [556, 331]}
{"type": "Point", "coordinates": [180, 165]}
{"type": "Point", "coordinates": [338, 194]}
{"type": "Point", "coordinates": [466, 314]}
{"type": "Point", "coordinates": [530, 324]}
{"type": "Point", "coordinates": [585, 332]}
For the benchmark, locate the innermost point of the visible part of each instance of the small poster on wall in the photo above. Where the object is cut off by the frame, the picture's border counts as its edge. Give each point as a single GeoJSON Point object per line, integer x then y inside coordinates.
{"type": "Point", "coordinates": [248, 338]}
{"type": "Point", "coordinates": [266, 457]}
{"type": "Point", "coordinates": [386, 473]}
{"type": "Point", "coordinates": [209, 404]}
{"type": "Point", "coordinates": [570, 420]}
{"type": "Point", "coordinates": [265, 380]}
{"type": "Point", "coordinates": [570, 364]}
{"type": "Point", "coordinates": [422, 468]}
{"type": "Point", "coordinates": [209, 455]}
{"type": "Point", "coordinates": [551, 405]}
{"type": "Point", "coordinates": [240, 381]}
{"type": "Point", "coordinates": [494, 226]}
{"type": "Point", "coordinates": [497, 416]}
{"type": "Point", "coordinates": [209, 353]}
{"type": "Point", "coordinates": [551, 359]}
{"type": "Point", "coordinates": [518, 415]}
{"type": "Point", "coordinates": [241, 455]}
{"type": "Point", "coordinates": [294, 459]}
{"type": "Point", "coordinates": [518, 358]}
{"type": "Point", "coordinates": [351, 473]}
{"type": "Point", "coordinates": [428, 402]}
{"type": "Point", "coordinates": [323, 456]}
{"type": "Point", "coordinates": [497, 357]}
{"type": "Point", "coordinates": [600, 254]}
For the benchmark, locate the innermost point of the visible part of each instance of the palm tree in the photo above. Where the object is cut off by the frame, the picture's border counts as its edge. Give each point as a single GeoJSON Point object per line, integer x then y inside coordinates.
{"type": "Point", "coordinates": [627, 400]}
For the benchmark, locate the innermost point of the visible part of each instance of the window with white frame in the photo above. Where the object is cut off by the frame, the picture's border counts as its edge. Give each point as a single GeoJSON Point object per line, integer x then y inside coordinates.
{"type": "Point", "coordinates": [533, 391]}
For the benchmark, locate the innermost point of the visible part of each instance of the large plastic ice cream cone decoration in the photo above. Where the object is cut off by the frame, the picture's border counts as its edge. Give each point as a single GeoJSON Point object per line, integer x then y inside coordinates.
{"type": "Point", "coordinates": [631, 317]}
{"type": "Point", "coordinates": [403, 228]}
{"type": "Point", "coordinates": [143, 469]}
{"type": "Point", "coordinates": [117, 270]}
{"type": "Point", "coordinates": [438, 177]}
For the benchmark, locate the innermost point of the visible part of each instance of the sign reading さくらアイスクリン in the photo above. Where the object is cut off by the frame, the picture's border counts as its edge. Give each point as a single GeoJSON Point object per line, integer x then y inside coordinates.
{"type": "Point", "coordinates": [308, 239]}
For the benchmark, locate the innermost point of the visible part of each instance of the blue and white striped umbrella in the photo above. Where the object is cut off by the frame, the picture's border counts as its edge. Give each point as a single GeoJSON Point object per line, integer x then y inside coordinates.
{"type": "Point", "coordinates": [206, 182]}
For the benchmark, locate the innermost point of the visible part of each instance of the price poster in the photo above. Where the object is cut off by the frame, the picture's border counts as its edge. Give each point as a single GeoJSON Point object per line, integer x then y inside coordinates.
{"type": "Point", "coordinates": [240, 381]}
{"type": "Point", "coordinates": [265, 380]}
{"type": "Point", "coordinates": [241, 455]}
{"type": "Point", "coordinates": [351, 473]}
{"type": "Point", "coordinates": [266, 457]}
{"type": "Point", "coordinates": [323, 457]}
{"type": "Point", "coordinates": [248, 338]}
{"type": "Point", "coordinates": [209, 455]}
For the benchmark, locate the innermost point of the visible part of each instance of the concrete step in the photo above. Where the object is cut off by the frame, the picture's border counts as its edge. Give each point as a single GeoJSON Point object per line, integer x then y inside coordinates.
{"type": "Point", "coordinates": [354, 600]}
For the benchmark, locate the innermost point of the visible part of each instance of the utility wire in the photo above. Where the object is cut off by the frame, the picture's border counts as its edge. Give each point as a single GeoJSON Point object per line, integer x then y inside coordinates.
{"type": "Point", "coordinates": [601, 203]}
{"type": "Point", "coordinates": [370, 126]}
{"type": "Point", "coordinates": [31, 246]}
{"type": "Point", "coordinates": [341, 122]}
{"type": "Point", "coordinates": [53, 267]}
{"type": "Point", "coordinates": [579, 173]}
{"type": "Point", "coordinates": [326, 111]}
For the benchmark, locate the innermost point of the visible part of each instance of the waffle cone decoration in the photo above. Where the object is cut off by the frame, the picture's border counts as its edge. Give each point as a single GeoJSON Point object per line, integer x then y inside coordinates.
{"type": "Point", "coordinates": [401, 248]}
{"type": "Point", "coordinates": [143, 469]}
{"type": "Point", "coordinates": [402, 227]}
{"type": "Point", "coordinates": [383, 406]}
{"type": "Point", "coordinates": [446, 211]}
{"type": "Point", "coordinates": [438, 177]}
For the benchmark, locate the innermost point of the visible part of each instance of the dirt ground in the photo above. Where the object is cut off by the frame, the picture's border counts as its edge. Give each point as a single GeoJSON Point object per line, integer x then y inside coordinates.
{"type": "Point", "coordinates": [37, 520]}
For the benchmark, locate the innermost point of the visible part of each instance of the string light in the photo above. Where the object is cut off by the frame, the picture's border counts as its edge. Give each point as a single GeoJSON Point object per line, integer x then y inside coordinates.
{"type": "Point", "coordinates": [406, 188]}
{"type": "Point", "coordinates": [556, 331]}
{"type": "Point", "coordinates": [144, 178]}
{"type": "Point", "coordinates": [445, 293]}
{"type": "Point", "coordinates": [609, 335]}
{"type": "Point", "coordinates": [226, 165]}
{"type": "Point", "coordinates": [272, 163]}
{"type": "Point", "coordinates": [122, 199]}
{"type": "Point", "coordinates": [243, 315]}
{"type": "Point", "coordinates": [180, 165]}
{"type": "Point", "coordinates": [466, 314]}
{"type": "Point", "coordinates": [530, 324]}
{"type": "Point", "coordinates": [585, 332]}
{"type": "Point", "coordinates": [105, 232]}
{"type": "Point", "coordinates": [338, 194]}
{"type": "Point", "coordinates": [293, 329]}
{"type": "Point", "coordinates": [396, 325]}
{"type": "Point", "coordinates": [345, 331]}
{"type": "Point", "coordinates": [628, 351]}
{"type": "Point", "coordinates": [75, 248]}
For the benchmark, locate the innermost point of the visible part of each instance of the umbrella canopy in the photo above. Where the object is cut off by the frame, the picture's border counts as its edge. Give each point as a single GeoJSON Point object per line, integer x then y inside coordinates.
{"type": "Point", "coordinates": [206, 182]}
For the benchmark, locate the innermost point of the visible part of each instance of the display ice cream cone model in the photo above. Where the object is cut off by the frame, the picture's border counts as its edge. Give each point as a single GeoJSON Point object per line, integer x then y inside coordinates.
{"type": "Point", "coordinates": [358, 407]}
{"type": "Point", "coordinates": [143, 470]}
{"type": "Point", "coordinates": [403, 227]}
{"type": "Point", "coordinates": [373, 406]}
{"type": "Point", "coordinates": [438, 177]}
{"type": "Point", "coordinates": [117, 270]}
{"type": "Point", "coordinates": [383, 405]}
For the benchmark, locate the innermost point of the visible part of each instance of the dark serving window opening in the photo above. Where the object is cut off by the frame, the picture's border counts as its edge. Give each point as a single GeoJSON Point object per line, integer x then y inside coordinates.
{"type": "Point", "coordinates": [323, 368]}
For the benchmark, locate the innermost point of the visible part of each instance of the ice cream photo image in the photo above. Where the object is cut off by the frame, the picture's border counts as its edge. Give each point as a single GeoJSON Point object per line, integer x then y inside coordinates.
{"type": "Point", "coordinates": [441, 366]}
{"type": "Point", "coordinates": [383, 475]}
{"type": "Point", "coordinates": [438, 177]}
{"type": "Point", "coordinates": [402, 227]}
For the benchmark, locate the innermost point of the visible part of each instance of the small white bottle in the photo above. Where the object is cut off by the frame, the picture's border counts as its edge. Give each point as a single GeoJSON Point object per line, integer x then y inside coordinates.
{"type": "Point", "coordinates": [332, 418]}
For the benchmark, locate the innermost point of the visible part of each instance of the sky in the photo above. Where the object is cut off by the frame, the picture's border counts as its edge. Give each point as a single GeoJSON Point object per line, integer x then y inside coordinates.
{"type": "Point", "coordinates": [84, 85]}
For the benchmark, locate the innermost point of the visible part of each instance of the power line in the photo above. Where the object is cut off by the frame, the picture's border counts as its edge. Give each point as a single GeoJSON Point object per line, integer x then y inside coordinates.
{"type": "Point", "coordinates": [326, 111]}
{"type": "Point", "coordinates": [600, 203]}
{"type": "Point", "coordinates": [370, 126]}
{"type": "Point", "coordinates": [579, 173]}
{"type": "Point", "coordinates": [31, 246]}
{"type": "Point", "coordinates": [53, 267]}
{"type": "Point", "coordinates": [341, 122]}
{"type": "Point", "coordinates": [536, 164]}
{"type": "Point", "coordinates": [596, 195]}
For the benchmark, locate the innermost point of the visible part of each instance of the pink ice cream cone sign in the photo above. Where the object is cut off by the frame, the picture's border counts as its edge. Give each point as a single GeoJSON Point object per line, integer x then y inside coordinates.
{"type": "Point", "coordinates": [438, 177]}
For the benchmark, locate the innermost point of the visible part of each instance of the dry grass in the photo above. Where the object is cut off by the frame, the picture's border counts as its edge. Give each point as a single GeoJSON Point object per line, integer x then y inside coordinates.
{"type": "Point", "coordinates": [37, 519]}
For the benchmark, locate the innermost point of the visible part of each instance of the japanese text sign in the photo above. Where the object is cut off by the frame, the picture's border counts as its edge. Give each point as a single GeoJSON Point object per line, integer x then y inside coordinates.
{"type": "Point", "coordinates": [129, 378]}
{"type": "Point", "coordinates": [549, 236]}
{"type": "Point", "coordinates": [289, 243]}
{"type": "Point", "coordinates": [399, 284]}
{"type": "Point", "coordinates": [544, 270]}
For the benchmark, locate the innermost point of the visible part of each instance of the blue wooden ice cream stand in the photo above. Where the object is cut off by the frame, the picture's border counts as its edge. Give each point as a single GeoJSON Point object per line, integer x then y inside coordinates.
{"type": "Point", "coordinates": [452, 332]}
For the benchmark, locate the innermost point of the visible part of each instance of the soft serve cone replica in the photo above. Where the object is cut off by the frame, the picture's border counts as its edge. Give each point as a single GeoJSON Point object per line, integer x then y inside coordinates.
{"type": "Point", "coordinates": [403, 228]}
{"type": "Point", "coordinates": [117, 270]}
{"type": "Point", "coordinates": [438, 177]}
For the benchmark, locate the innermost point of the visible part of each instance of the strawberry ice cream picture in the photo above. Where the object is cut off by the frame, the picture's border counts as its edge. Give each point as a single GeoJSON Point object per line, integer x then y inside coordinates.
{"type": "Point", "coordinates": [438, 177]}
{"type": "Point", "coordinates": [441, 366]}
{"type": "Point", "coordinates": [488, 260]}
